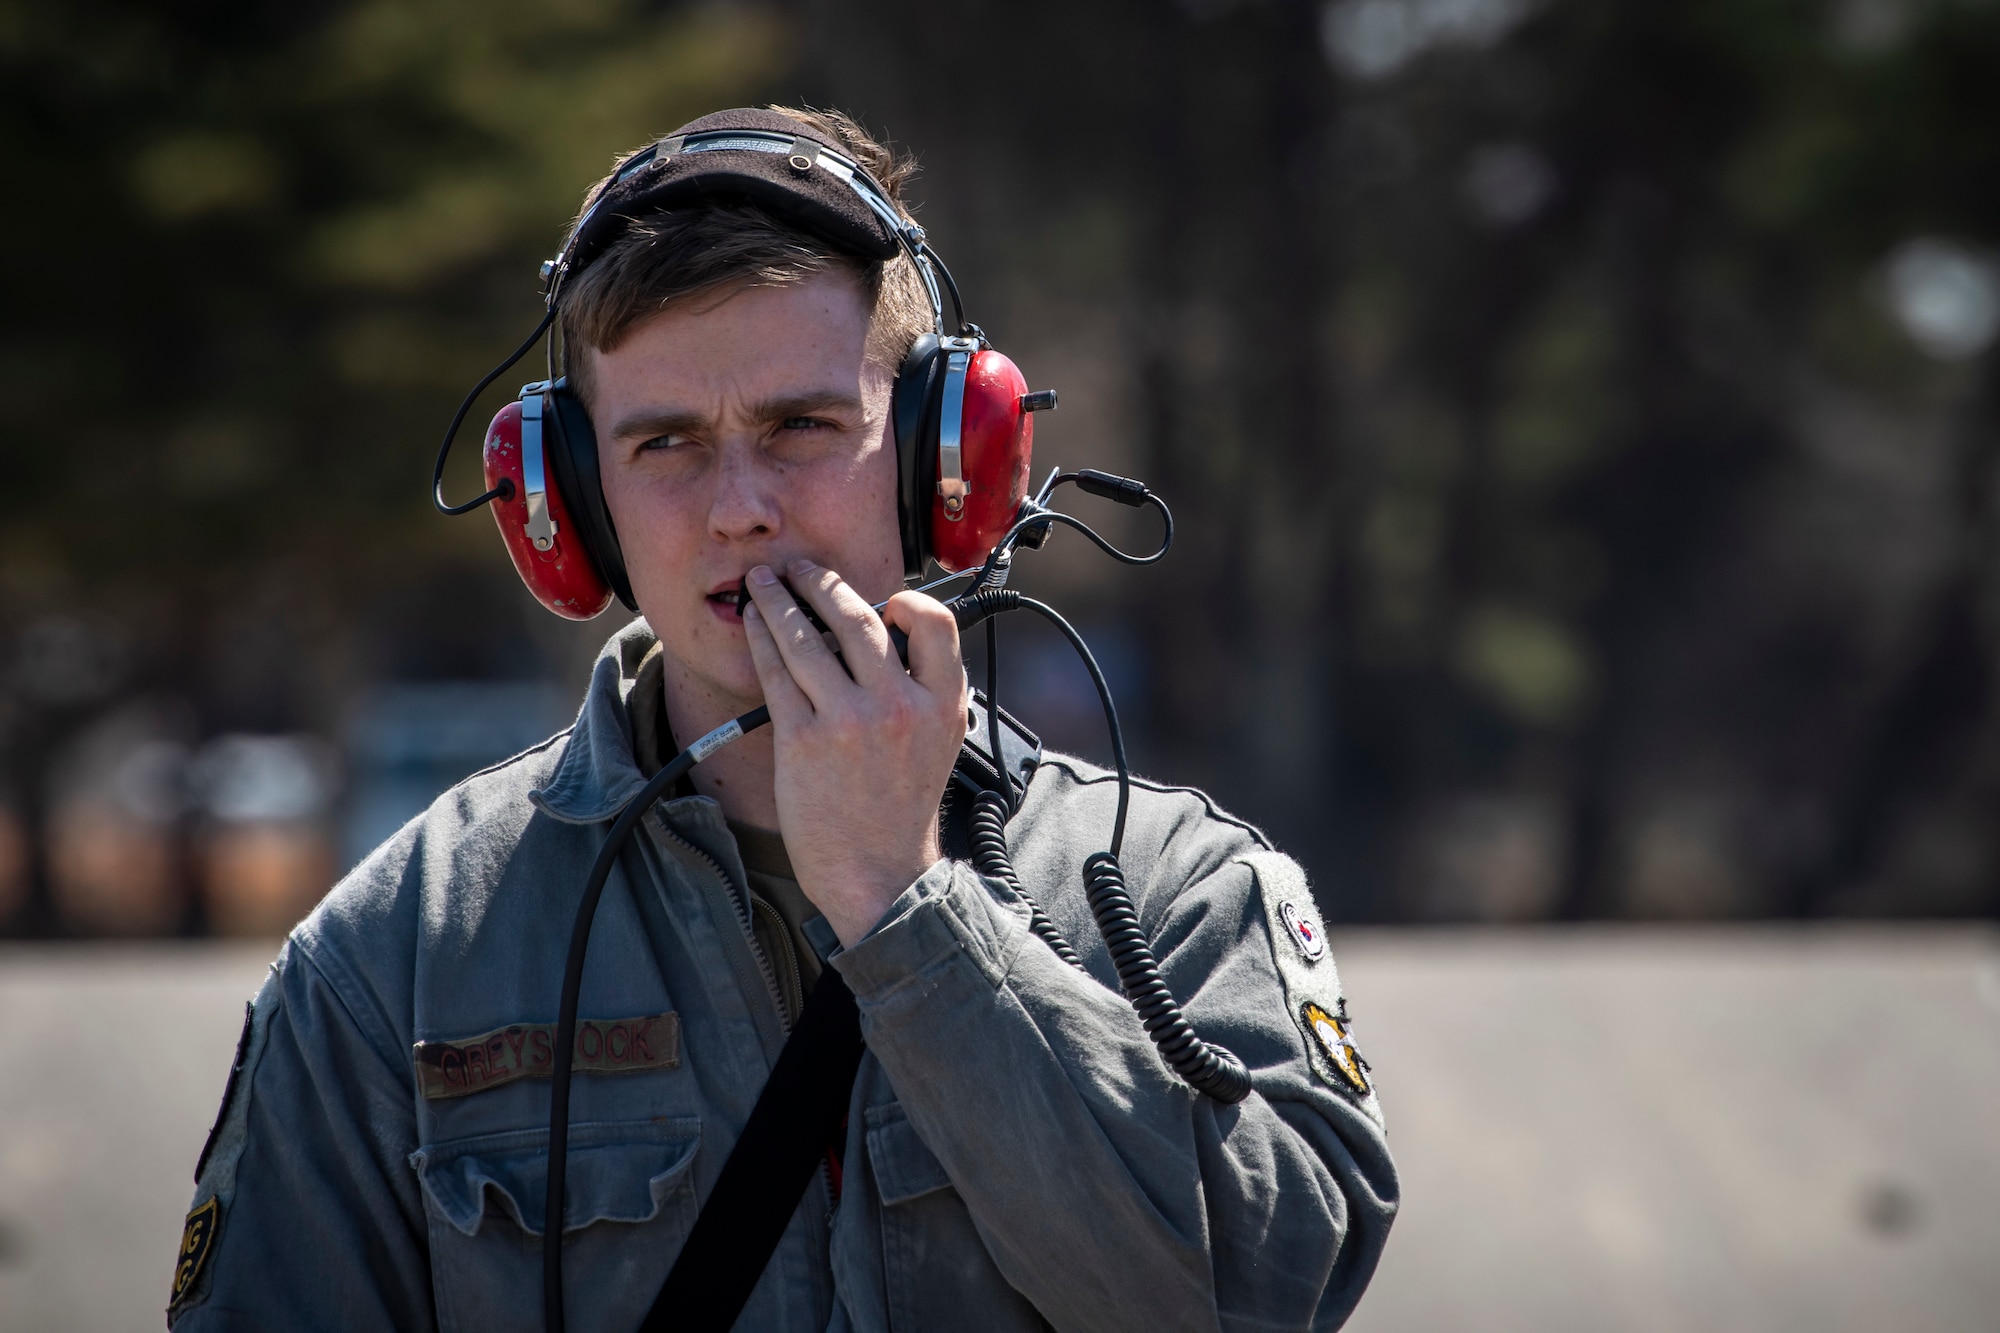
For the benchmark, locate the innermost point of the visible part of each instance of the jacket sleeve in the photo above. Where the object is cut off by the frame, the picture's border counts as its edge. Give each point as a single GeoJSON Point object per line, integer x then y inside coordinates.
{"type": "Point", "coordinates": [1107, 1191]}
{"type": "Point", "coordinates": [316, 1221]}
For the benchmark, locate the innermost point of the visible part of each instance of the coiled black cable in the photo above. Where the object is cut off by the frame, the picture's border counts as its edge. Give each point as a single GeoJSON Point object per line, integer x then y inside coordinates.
{"type": "Point", "coordinates": [989, 855]}
{"type": "Point", "coordinates": [1207, 1068]}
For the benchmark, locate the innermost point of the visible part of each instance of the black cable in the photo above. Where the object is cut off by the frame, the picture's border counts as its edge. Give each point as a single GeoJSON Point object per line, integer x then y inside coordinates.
{"type": "Point", "coordinates": [1071, 521]}
{"type": "Point", "coordinates": [993, 713]}
{"type": "Point", "coordinates": [628, 819]}
{"type": "Point", "coordinates": [1205, 1067]}
{"type": "Point", "coordinates": [950, 285]}
{"type": "Point", "coordinates": [989, 856]}
{"type": "Point", "coordinates": [1054, 617]}
{"type": "Point", "coordinates": [506, 488]}
{"type": "Point", "coordinates": [1136, 496]}
{"type": "Point", "coordinates": [572, 985]}
{"type": "Point", "coordinates": [969, 612]}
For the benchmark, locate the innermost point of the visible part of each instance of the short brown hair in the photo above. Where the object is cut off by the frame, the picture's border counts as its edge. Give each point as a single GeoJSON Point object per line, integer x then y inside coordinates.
{"type": "Point", "coordinates": [682, 254]}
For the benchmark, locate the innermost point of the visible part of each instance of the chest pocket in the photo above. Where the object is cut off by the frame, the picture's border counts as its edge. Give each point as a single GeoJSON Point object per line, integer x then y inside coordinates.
{"type": "Point", "coordinates": [936, 1270]}
{"type": "Point", "coordinates": [630, 1206]}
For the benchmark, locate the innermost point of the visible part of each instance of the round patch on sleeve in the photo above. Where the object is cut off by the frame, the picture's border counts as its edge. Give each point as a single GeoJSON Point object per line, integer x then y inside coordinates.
{"type": "Point", "coordinates": [1305, 931]}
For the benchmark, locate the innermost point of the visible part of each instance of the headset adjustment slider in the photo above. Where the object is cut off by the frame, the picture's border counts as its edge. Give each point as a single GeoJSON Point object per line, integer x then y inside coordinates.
{"type": "Point", "coordinates": [951, 466]}
{"type": "Point", "coordinates": [541, 529]}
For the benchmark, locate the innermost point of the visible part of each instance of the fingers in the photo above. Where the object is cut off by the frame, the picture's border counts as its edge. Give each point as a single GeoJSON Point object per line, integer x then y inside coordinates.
{"type": "Point", "coordinates": [871, 660]}
{"type": "Point", "coordinates": [788, 703]}
{"type": "Point", "coordinates": [802, 652]}
{"type": "Point", "coordinates": [863, 639]}
{"type": "Point", "coordinates": [935, 661]}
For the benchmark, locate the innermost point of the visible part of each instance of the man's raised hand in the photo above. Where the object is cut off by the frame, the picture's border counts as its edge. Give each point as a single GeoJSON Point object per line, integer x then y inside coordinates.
{"type": "Point", "coordinates": [863, 753]}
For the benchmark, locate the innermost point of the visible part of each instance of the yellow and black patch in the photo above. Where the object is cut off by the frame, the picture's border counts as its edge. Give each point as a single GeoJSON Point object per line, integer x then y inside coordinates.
{"type": "Point", "coordinates": [197, 1239]}
{"type": "Point", "coordinates": [1330, 1033]}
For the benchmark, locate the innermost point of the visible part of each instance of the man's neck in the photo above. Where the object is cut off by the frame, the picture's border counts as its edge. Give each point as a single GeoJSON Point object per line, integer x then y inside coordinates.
{"type": "Point", "coordinates": [740, 777]}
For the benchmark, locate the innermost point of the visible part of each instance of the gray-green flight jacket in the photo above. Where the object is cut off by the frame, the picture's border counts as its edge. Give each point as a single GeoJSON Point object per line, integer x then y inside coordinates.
{"type": "Point", "coordinates": [1016, 1150]}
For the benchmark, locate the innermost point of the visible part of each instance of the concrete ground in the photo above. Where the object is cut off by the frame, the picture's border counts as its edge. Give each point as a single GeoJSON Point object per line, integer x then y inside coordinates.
{"type": "Point", "coordinates": [1602, 1130]}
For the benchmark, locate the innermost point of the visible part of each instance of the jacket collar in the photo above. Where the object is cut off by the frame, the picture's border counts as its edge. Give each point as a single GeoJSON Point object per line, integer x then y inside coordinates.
{"type": "Point", "coordinates": [598, 773]}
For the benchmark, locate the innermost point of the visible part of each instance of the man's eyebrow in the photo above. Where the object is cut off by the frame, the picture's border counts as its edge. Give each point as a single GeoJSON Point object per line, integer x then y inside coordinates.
{"type": "Point", "coordinates": [651, 422]}
{"type": "Point", "coordinates": [648, 423]}
{"type": "Point", "coordinates": [783, 407]}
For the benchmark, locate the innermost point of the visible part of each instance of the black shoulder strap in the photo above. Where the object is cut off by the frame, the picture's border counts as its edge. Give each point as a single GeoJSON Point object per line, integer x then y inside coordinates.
{"type": "Point", "coordinates": [798, 1113]}
{"type": "Point", "coordinates": [793, 1122]}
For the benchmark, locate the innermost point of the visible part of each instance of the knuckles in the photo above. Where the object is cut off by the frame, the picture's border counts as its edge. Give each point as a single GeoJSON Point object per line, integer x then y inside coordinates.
{"type": "Point", "coordinates": [866, 727]}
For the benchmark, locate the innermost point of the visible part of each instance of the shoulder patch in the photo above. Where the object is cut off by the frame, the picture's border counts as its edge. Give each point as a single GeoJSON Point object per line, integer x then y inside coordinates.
{"type": "Point", "coordinates": [215, 1173]}
{"type": "Point", "coordinates": [1305, 931]}
{"type": "Point", "coordinates": [1330, 1032]}
{"type": "Point", "coordinates": [1314, 1004]}
{"type": "Point", "coordinates": [197, 1239]}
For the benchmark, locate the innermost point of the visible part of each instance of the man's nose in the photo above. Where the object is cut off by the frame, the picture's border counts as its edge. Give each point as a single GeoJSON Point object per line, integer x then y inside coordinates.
{"type": "Point", "coordinates": [745, 503]}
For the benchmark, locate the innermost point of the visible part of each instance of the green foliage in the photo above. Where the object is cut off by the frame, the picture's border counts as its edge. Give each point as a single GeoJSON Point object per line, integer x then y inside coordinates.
{"type": "Point", "coordinates": [1539, 409]}
{"type": "Point", "coordinates": [270, 245]}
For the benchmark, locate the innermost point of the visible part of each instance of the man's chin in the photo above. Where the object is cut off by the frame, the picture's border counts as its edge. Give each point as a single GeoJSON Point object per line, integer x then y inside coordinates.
{"type": "Point", "coordinates": [728, 692]}
{"type": "Point", "coordinates": [716, 677]}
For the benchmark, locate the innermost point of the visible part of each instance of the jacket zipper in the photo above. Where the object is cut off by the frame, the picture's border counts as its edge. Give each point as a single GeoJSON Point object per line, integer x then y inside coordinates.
{"type": "Point", "coordinates": [740, 899]}
{"type": "Point", "coordinates": [776, 920]}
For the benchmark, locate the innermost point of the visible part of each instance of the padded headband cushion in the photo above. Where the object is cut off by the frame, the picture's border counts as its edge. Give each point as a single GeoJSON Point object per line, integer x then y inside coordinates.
{"type": "Point", "coordinates": [815, 199]}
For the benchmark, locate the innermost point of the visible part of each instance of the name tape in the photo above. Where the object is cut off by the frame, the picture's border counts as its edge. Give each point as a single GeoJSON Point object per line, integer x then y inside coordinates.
{"type": "Point", "coordinates": [462, 1067]}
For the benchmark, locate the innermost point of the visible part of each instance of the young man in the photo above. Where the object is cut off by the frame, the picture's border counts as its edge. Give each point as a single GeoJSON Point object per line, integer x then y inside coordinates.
{"type": "Point", "coordinates": [1017, 1154]}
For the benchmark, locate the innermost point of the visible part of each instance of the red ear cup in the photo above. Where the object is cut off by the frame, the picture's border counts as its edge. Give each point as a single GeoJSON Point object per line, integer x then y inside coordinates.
{"type": "Point", "coordinates": [547, 551]}
{"type": "Point", "coordinates": [996, 442]}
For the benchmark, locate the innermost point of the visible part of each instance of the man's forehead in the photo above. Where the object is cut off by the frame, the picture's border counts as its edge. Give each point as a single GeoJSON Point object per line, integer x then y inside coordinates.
{"type": "Point", "coordinates": [816, 326]}
{"type": "Point", "coordinates": [663, 401]}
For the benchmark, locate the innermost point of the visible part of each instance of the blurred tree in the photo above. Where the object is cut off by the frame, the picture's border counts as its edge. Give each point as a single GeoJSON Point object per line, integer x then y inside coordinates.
{"type": "Point", "coordinates": [1581, 413]}
{"type": "Point", "coordinates": [260, 251]}
{"type": "Point", "coordinates": [265, 243]}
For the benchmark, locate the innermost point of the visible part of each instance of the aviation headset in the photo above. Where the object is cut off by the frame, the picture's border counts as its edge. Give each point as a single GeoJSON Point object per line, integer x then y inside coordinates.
{"type": "Point", "coordinates": [961, 412]}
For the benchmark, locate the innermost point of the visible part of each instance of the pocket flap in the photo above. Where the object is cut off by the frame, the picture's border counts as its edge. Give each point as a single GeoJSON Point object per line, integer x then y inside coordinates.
{"type": "Point", "coordinates": [904, 1167]}
{"type": "Point", "coordinates": [619, 1171]}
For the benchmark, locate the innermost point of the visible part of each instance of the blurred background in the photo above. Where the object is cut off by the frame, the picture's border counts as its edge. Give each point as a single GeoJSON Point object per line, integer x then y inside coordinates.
{"type": "Point", "coordinates": [1582, 418]}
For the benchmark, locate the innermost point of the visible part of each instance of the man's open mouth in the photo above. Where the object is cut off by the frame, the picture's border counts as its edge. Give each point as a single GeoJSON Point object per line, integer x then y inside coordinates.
{"type": "Point", "coordinates": [726, 600]}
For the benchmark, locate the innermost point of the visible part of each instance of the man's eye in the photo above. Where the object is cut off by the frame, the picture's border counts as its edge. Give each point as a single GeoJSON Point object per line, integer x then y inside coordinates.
{"type": "Point", "coordinates": [804, 423]}
{"type": "Point", "coordinates": [660, 442]}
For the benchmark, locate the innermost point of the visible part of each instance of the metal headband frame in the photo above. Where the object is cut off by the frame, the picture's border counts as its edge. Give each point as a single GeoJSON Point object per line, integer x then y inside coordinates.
{"type": "Point", "coordinates": [803, 153]}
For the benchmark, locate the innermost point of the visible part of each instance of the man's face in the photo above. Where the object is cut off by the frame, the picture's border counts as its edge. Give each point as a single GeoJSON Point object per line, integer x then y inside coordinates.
{"type": "Point", "coordinates": [738, 434]}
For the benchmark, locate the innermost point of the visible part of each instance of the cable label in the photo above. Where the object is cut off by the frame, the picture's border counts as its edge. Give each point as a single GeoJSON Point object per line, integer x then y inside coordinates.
{"type": "Point", "coordinates": [715, 740]}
